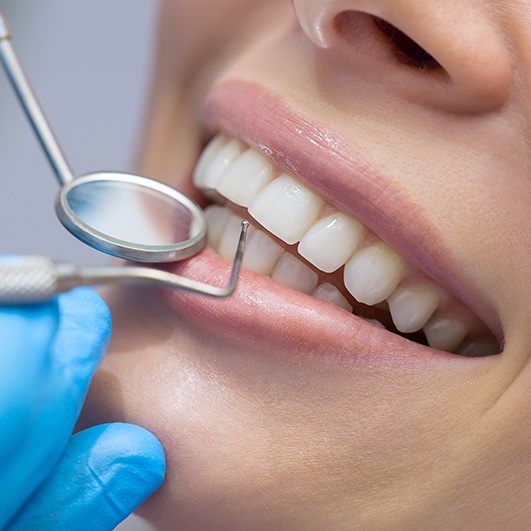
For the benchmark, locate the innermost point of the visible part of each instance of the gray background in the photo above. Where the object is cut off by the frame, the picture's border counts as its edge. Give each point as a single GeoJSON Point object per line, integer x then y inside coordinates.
{"type": "Point", "coordinates": [90, 64]}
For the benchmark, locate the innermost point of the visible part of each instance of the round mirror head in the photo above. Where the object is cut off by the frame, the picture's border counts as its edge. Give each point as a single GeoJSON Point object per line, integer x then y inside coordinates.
{"type": "Point", "coordinates": [132, 217]}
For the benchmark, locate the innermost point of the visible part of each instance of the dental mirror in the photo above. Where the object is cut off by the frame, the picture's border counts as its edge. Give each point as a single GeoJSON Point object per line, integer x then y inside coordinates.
{"type": "Point", "coordinates": [125, 215]}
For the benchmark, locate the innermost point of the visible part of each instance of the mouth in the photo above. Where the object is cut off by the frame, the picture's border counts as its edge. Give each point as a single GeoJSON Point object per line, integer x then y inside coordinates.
{"type": "Point", "coordinates": [307, 245]}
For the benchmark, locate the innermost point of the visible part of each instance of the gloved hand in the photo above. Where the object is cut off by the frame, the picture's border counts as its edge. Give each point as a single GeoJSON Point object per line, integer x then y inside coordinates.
{"type": "Point", "coordinates": [48, 479]}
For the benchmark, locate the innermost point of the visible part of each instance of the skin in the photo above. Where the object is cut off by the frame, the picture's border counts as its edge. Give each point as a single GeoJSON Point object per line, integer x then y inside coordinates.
{"type": "Point", "coordinates": [259, 438]}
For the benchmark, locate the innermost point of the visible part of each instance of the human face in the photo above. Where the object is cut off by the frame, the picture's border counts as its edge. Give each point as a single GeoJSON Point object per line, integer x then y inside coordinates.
{"type": "Point", "coordinates": [276, 409]}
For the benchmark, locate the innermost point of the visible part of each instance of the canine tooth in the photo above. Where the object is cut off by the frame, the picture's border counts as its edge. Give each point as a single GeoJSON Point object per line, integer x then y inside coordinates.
{"type": "Point", "coordinates": [473, 349]}
{"type": "Point", "coordinates": [216, 217]}
{"type": "Point", "coordinates": [286, 208]}
{"type": "Point", "coordinates": [411, 307]}
{"type": "Point", "coordinates": [220, 162]}
{"type": "Point", "coordinates": [229, 239]}
{"type": "Point", "coordinates": [444, 333]}
{"type": "Point", "coordinates": [331, 241]}
{"type": "Point", "coordinates": [206, 158]}
{"type": "Point", "coordinates": [261, 253]}
{"type": "Point", "coordinates": [245, 178]}
{"type": "Point", "coordinates": [294, 274]}
{"type": "Point", "coordinates": [328, 292]}
{"type": "Point", "coordinates": [373, 273]}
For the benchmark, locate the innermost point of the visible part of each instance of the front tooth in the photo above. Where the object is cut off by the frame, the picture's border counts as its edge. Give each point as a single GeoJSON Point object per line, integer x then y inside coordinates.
{"type": "Point", "coordinates": [286, 208]}
{"type": "Point", "coordinates": [411, 307]}
{"type": "Point", "coordinates": [228, 243]}
{"type": "Point", "coordinates": [205, 160]}
{"type": "Point", "coordinates": [329, 293]}
{"type": "Point", "coordinates": [216, 217]}
{"type": "Point", "coordinates": [245, 178]}
{"type": "Point", "coordinates": [444, 333]}
{"type": "Point", "coordinates": [261, 253]}
{"type": "Point", "coordinates": [331, 242]}
{"type": "Point", "coordinates": [220, 162]}
{"type": "Point", "coordinates": [474, 349]}
{"type": "Point", "coordinates": [294, 274]}
{"type": "Point", "coordinates": [373, 273]}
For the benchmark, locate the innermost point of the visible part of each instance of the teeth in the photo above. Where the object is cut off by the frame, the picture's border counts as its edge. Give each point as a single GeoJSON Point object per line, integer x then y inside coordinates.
{"type": "Point", "coordinates": [331, 242]}
{"type": "Point", "coordinates": [411, 307]}
{"type": "Point", "coordinates": [236, 183]}
{"type": "Point", "coordinates": [375, 322]}
{"type": "Point", "coordinates": [261, 253]}
{"type": "Point", "coordinates": [206, 159]}
{"type": "Point", "coordinates": [286, 208]}
{"type": "Point", "coordinates": [474, 349]}
{"type": "Point", "coordinates": [229, 170]}
{"type": "Point", "coordinates": [373, 273]}
{"type": "Point", "coordinates": [444, 333]}
{"type": "Point", "coordinates": [228, 243]}
{"type": "Point", "coordinates": [329, 293]}
{"type": "Point", "coordinates": [216, 217]}
{"type": "Point", "coordinates": [220, 162]}
{"type": "Point", "coordinates": [294, 274]}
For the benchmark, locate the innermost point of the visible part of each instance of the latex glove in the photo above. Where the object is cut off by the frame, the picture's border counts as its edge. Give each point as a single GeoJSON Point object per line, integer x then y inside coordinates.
{"type": "Point", "coordinates": [49, 480]}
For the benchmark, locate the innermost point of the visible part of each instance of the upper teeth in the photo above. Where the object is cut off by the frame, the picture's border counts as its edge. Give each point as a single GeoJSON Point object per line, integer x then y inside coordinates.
{"type": "Point", "coordinates": [328, 239]}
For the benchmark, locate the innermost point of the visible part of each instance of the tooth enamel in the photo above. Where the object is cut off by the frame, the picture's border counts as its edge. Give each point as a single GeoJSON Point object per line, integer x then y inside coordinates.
{"type": "Point", "coordinates": [216, 217]}
{"type": "Point", "coordinates": [473, 349]}
{"type": "Point", "coordinates": [245, 178]}
{"type": "Point", "coordinates": [331, 241]}
{"type": "Point", "coordinates": [294, 274]}
{"type": "Point", "coordinates": [261, 253]}
{"type": "Point", "coordinates": [229, 239]}
{"type": "Point", "coordinates": [444, 333]}
{"type": "Point", "coordinates": [411, 307]}
{"type": "Point", "coordinates": [208, 155]}
{"type": "Point", "coordinates": [373, 273]}
{"type": "Point", "coordinates": [329, 293]}
{"type": "Point", "coordinates": [220, 162]}
{"type": "Point", "coordinates": [286, 208]}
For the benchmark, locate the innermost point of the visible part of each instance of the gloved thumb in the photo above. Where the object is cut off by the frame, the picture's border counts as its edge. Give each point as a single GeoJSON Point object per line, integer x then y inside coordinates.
{"type": "Point", "coordinates": [105, 473]}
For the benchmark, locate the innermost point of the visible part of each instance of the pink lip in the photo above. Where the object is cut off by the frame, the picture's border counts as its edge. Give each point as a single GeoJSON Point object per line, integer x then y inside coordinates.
{"type": "Point", "coordinates": [262, 310]}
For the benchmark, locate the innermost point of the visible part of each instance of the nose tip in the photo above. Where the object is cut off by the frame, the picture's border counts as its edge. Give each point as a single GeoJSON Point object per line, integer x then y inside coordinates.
{"type": "Point", "coordinates": [465, 42]}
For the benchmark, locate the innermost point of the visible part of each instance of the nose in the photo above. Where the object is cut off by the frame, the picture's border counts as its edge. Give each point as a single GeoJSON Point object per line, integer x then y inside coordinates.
{"type": "Point", "coordinates": [450, 54]}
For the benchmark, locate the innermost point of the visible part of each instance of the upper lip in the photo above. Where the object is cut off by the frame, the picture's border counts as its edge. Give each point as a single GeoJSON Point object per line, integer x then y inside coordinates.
{"type": "Point", "coordinates": [343, 177]}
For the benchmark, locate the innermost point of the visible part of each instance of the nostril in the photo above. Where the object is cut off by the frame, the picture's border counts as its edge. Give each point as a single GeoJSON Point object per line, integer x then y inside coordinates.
{"type": "Point", "coordinates": [406, 50]}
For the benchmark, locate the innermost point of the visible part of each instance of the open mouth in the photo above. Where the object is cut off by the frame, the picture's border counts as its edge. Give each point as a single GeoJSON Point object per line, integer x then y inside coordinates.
{"type": "Point", "coordinates": [304, 243]}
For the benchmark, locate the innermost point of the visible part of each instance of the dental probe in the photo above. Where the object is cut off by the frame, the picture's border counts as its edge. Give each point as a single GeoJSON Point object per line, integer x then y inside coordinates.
{"type": "Point", "coordinates": [33, 279]}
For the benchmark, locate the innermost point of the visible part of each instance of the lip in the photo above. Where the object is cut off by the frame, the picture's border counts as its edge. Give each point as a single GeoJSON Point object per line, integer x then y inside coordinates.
{"type": "Point", "coordinates": [262, 310]}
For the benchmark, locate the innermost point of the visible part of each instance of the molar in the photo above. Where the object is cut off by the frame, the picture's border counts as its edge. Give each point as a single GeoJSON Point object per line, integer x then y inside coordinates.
{"type": "Point", "coordinates": [444, 333]}
{"type": "Point", "coordinates": [373, 273]}
{"type": "Point", "coordinates": [331, 241]}
{"type": "Point", "coordinates": [286, 208]}
{"type": "Point", "coordinates": [411, 307]}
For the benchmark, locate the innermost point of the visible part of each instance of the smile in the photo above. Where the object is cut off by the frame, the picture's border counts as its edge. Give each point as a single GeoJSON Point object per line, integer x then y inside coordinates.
{"type": "Point", "coordinates": [302, 242]}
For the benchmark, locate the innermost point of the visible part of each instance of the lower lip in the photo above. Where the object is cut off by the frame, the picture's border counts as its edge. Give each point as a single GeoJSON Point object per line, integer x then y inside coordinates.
{"type": "Point", "coordinates": [262, 312]}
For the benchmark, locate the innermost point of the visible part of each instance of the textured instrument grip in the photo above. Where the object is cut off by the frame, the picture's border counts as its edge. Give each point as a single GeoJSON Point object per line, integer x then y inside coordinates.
{"type": "Point", "coordinates": [27, 279]}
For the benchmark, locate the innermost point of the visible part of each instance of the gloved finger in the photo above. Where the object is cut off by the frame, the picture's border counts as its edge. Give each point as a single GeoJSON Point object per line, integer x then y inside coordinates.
{"type": "Point", "coordinates": [80, 341]}
{"type": "Point", "coordinates": [26, 334]}
{"type": "Point", "coordinates": [105, 473]}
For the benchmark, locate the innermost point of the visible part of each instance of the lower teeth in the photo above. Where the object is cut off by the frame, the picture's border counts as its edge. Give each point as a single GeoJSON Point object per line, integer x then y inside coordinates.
{"type": "Point", "coordinates": [267, 258]}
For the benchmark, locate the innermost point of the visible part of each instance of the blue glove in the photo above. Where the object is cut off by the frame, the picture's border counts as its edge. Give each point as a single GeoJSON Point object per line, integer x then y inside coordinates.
{"type": "Point", "coordinates": [48, 479]}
